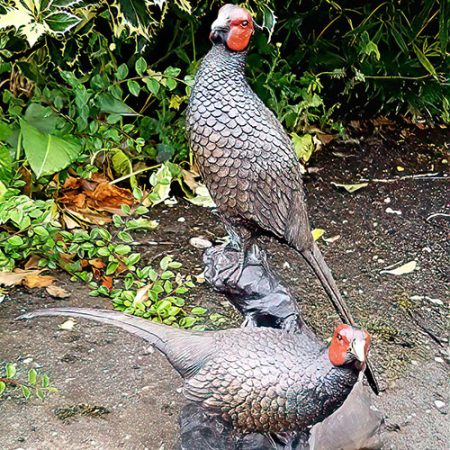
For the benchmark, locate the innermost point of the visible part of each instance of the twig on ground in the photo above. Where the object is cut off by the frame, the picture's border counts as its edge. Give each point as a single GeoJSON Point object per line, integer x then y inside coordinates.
{"type": "Point", "coordinates": [420, 176]}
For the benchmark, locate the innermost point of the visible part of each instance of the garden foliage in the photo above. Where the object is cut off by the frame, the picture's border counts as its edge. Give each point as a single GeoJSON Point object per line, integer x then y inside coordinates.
{"type": "Point", "coordinates": [100, 87]}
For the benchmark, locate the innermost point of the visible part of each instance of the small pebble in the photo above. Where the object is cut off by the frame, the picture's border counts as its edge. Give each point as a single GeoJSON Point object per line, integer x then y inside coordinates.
{"type": "Point", "coordinates": [393, 211]}
{"type": "Point", "coordinates": [27, 360]}
{"type": "Point", "coordinates": [438, 359]}
{"type": "Point", "coordinates": [181, 219]}
{"type": "Point", "coordinates": [286, 265]}
{"type": "Point", "coordinates": [199, 242]}
{"type": "Point", "coordinates": [439, 405]}
{"type": "Point", "coordinates": [426, 249]}
{"type": "Point", "coordinates": [387, 200]}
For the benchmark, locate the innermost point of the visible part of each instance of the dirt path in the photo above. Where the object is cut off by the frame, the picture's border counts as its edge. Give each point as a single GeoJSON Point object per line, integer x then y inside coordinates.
{"type": "Point", "coordinates": [101, 366]}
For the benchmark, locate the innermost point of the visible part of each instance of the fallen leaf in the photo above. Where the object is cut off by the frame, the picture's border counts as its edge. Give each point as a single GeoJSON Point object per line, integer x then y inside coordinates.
{"type": "Point", "coordinates": [303, 146]}
{"type": "Point", "coordinates": [92, 201]}
{"type": "Point", "coordinates": [350, 187]}
{"type": "Point", "coordinates": [190, 179]}
{"type": "Point", "coordinates": [69, 222]}
{"type": "Point", "coordinates": [16, 277]}
{"type": "Point", "coordinates": [34, 281]}
{"type": "Point", "coordinates": [325, 138]}
{"type": "Point", "coordinates": [142, 294]}
{"type": "Point", "coordinates": [332, 239]}
{"type": "Point", "coordinates": [380, 121]}
{"type": "Point", "coordinates": [72, 183]}
{"type": "Point", "coordinates": [393, 211]}
{"type": "Point", "coordinates": [400, 169]}
{"type": "Point", "coordinates": [202, 197]}
{"type": "Point", "coordinates": [402, 270]}
{"type": "Point", "coordinates": [97, 263]}
{"type": "Point", "coordinates": [57, 291]}
{"type": "Point", "coordinates": [33, 262]}
{"type": "Point", "coordinates": [317, 233]}
{"type": "Point", "coordinates": [107, 282]}
{"type": "Point", "coordinates": [67, 325]}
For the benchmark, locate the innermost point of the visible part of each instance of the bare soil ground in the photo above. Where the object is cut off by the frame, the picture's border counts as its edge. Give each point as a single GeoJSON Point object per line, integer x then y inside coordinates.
{"type": "Point", "coordinates": [406, 315]}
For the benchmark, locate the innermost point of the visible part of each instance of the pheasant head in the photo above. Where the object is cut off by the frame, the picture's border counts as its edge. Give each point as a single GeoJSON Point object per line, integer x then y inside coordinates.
{"type": "Point", "coordinates": [233, 28]}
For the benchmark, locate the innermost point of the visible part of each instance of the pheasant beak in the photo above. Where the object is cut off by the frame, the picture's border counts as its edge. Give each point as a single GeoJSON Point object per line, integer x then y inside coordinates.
{"type": "Point", "coordinates": [358, 349]}
{"type": "Point", "coordinates": [222, 23]}
{"type": "Point", "coordinates": [219, 29]}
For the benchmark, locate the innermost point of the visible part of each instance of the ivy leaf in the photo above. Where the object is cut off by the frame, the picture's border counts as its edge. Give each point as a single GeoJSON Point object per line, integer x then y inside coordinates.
{"type": "Point", "coordinates": [152, 85]}
{"type": "Point", "coordinates": [134, 88]}
{"type": "Point", "coordinates": [61, 22]}
{"type": "Point", "coordinates": [141, 66]}
{"type": "Point", "coordinates": [25, 392]}
{"type": "Point", "coordinates": [269, 20]}
{"type": "Point", "coordinates": [10, 370]}
{"type": "Point", "coordinates": [46, 153]}
{"type": "Point", "coordinates": [350, 187]}
{"type": "Point", "coordinates": [198, 311]}
{"type": "Point", "coordinates": [122, 72]}
{"type": "Point", "coordinates": [32, 375]}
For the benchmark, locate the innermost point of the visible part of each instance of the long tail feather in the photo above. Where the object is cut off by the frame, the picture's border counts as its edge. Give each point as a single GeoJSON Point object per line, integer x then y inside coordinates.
{"type": "Point", "coordinates": [150, 331]}
{"type": "Point", "coordinates": [315, 259]}
{"type": "Point", "coordinates": [187, 351]}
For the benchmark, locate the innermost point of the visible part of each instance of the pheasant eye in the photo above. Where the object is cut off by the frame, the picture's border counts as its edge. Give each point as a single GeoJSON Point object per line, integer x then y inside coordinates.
{"type": "Point", "coordinates": [339, 337]}
{"type": "Point", "coordinates": [244, 23]}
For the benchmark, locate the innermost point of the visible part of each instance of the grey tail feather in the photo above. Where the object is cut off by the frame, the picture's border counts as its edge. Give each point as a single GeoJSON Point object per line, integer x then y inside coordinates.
{"type": "Point", "coordinates": [187, 351]}
{"type": "Point", "coordinates": [152, 332]}
{"type": "Point", "coordinates": [315, 259]}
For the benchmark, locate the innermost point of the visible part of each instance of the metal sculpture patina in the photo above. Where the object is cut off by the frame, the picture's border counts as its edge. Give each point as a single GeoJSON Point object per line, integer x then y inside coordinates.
{"type": "Point", "coordinates": [247, 159]}
{"type": "Point", "coordinates": [262, 380]}
{"type": "Point", "coordinates": [244, 155]}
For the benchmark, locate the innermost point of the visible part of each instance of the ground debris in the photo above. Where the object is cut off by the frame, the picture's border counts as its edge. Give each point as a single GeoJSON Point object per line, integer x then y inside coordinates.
{"type": "Point", "coordinates": [66, 413]}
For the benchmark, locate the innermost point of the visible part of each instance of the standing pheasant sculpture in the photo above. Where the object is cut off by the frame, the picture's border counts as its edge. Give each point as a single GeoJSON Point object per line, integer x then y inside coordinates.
{"type": "Point", "coordinates": [245, 156]}
{"type": "Point", "coordinates": [261, 380]}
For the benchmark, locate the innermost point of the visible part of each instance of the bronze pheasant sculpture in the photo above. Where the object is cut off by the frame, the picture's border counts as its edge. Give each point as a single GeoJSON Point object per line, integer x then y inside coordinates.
{"type": "Point", "coordinates": [259, 379]}
{"type": "Point", "coordinates": [245, 156]}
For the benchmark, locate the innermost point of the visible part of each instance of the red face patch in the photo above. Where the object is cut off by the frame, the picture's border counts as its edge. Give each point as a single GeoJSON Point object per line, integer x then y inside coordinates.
{"type": "Point", "coordinates": [341, 343]}
{"type": "Point", "coordinates": [241, 30]}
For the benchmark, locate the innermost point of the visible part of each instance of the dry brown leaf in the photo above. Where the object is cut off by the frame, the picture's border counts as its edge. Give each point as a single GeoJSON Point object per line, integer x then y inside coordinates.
{"type": "Point", "coordinates": [57, 291]}
{"type": "Point", "coordinates": [67, 325]}
{"type": "Point", "coordinates": [190, 179]}
{"type": "Point", "coordinates": [98, 263]}
{"type": "Point", "coordinates": [356, 124]}
{"type": "Point", "coordinates": [325, 138]}
{"type": "Point", "coordinates": [92, 201]}
{"type": "Point", "coordinates": [142, 294]}
{"type": "Point", "coordinates": [108, 195]}
{"type": "Point", "coordinates": [69, 222]}
{"type": "Point", "coordinates": [90, 216]}
{"type": "Point", "coordinates": [34, 281]}
{"type": "Point", "coordinates": [107, 282]}
{"type": "Point", "coordinates": [72, 183]}
{"type": "Point", "coordinates": [380, 121]}
{"type": "Point", "coordinates": [33, 262]}
{"type": "Point", "coordinates": [16, 277]}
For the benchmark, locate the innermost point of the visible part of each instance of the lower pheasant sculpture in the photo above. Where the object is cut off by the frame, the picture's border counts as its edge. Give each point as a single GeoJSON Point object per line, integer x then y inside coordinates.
{"type": "Point", "coordinates": [243, 153]}
{"type": "Point", "coordinates": [258, 379]}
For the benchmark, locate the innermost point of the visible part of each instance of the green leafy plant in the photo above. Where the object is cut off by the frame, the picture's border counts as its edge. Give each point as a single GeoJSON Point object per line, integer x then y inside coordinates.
{"type": "Point", "coordinates": [38, 383]}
